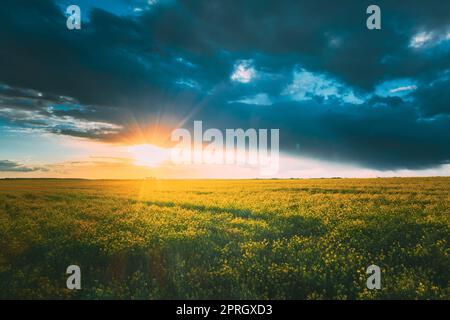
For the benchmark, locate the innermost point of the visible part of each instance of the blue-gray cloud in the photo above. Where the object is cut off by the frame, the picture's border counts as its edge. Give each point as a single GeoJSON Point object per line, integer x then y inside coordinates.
{"type": "Point", "coordinates": [11, 166]}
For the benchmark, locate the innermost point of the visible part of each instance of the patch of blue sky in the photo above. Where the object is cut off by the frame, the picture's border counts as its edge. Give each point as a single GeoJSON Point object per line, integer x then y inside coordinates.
{"type": "Point", "coordinates": [396, 88]}
{"type": "Point", "coordinates": [185, 62]}
{"type": "Point", "coordinates": [188, 83]}
{"type": "Point", "coordinates": [431, 44]}
{"type": "Point", "coordinates": [18, 144]}
{"type": "Point", "coordinates": [307, 85]}
{"type": "Point", "coordinates": [243, 71]}
{"type": "Point", "coordinates": [260, 99]}
{"type": "Point", "coordinates": [116, 7]}
{"type": "Point", "coordinates": [350, 97]}
{"type": "Point", "coordinates": [140, 6]}
{"type": "Point", "coordinates": [431, 40]}
{"type": "Point", "coordinates": [66, 107]}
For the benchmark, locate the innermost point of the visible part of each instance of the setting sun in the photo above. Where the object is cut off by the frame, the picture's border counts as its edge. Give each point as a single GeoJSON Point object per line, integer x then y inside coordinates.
{"type": "Point", "coordinates": [148, 155]}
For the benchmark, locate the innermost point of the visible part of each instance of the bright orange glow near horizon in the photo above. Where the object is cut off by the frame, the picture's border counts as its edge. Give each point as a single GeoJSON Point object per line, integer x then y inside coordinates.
{"type": "Point", "coordinates": [135, 157]}
{"type": "Point", "coordinates": [148, 155]}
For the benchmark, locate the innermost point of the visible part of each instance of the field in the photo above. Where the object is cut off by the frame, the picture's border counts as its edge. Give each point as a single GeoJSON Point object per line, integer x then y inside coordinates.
{"type": "Point", "coordinates": [239, 239]}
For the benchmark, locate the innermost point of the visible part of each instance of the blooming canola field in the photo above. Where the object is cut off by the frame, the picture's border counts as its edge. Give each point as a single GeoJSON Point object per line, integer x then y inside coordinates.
{"type": "Point", "coordinates": [225, 239]}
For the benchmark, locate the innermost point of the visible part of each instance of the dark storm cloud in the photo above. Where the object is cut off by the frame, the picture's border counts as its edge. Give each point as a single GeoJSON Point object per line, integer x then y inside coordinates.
{"type": "Point", "coordinates": [169, 61]}
{"type": "Point", "coordinates": [383, 133]}
{"type": "Point", "coordinates": [434, 98]}
{"type": "Point", "coordinates": [11, 166]}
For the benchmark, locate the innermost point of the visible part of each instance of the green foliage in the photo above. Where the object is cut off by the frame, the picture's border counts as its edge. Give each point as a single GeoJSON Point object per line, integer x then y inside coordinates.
{"type": "Point", "coordinates": [248, 239]}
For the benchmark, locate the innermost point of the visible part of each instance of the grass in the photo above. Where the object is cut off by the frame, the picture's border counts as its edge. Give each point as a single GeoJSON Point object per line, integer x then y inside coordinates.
{"type": "Point", "coordinates": [233, 239]}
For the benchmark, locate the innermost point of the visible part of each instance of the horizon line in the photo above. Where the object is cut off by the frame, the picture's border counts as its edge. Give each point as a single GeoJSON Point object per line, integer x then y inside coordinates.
{"type": "Point", "coordinates": [187, 179]}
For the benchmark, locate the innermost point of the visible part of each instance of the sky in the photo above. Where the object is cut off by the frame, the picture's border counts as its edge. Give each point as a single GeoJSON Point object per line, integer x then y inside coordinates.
{"type": "Point", "coordinates": [101, 102]}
